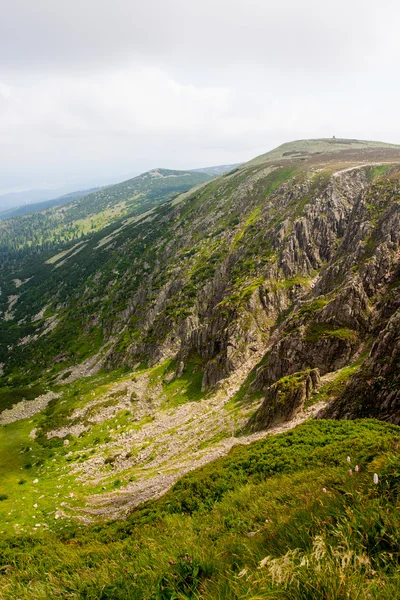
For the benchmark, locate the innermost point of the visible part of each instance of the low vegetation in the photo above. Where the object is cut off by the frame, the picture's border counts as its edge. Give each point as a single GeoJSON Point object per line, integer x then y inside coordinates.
{"type": "Point", "coordinates": [307, 514]}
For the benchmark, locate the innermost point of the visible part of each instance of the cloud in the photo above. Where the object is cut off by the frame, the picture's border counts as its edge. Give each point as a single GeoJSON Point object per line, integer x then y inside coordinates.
{"type": "Point", "coordinates": [92, 89]}
{"type": "Point", "coordinates": [210, 33]}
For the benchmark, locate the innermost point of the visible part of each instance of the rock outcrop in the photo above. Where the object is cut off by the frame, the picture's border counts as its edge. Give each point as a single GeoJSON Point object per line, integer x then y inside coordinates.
{"type": "Point", "coordinates": [375, 390]}
{"type": "Point", "coordinates": [285, 398]}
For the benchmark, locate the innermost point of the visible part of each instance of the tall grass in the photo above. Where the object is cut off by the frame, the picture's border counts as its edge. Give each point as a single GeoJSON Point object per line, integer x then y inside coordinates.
{"type": "Point", "coordinates": [257, 524]}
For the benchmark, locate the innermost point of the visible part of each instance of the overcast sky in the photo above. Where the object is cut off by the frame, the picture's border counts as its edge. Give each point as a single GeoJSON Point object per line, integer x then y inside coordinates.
{"type": "Point", "coordinates": [93, 91]}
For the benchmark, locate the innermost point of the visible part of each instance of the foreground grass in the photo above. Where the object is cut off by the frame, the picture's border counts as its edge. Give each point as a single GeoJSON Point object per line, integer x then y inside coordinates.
{"type": "Point", "coordinates": [282, 518]}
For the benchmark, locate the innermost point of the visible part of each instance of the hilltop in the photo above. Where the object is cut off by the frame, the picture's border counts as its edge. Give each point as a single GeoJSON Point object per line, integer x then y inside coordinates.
{"type": "Point", "coordinates": [327, 149]}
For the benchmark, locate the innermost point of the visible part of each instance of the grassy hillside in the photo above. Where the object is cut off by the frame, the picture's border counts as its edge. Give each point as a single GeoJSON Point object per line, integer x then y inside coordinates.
{"type": "Point", "coordinates": [39, 206]}
{"type": "Point", "coordinates": [328, 147]}
{"type": "Point", "coordinates": [217, 170]}
{"type": "Point", "coordinates": [283, 518]}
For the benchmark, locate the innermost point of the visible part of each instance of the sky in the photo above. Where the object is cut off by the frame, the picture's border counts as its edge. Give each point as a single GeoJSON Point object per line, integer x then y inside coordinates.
{"type": "Point", "coordinates": [96, 91]}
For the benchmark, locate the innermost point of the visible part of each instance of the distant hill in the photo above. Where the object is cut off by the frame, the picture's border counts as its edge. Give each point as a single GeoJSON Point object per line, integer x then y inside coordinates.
{"type": "Point", "coordinates": [218, 170]}
{"type": "Point", "coordinates": [22, 203]}
{"type": "Point", "coordinates": [38, 206]}
{"type": "Point", "coordinates": [96, 210]}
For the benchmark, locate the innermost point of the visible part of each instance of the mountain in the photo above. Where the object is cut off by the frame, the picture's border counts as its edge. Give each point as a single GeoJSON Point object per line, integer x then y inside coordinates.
{"type": "Point", "coordinates": [66, 198]}
{"type": "Point", "coordinates": [200, 324]}
{"type": "Point", "coordinates": [213, 272]}
{"type": "Point", "coordinates": [96, 210]}
{"type": "Point", "coordinates": [39, 206]}
{"type": "Point", "coordinates": [12, 200]}
{"type": "Point", "coordinates": [218, 170]}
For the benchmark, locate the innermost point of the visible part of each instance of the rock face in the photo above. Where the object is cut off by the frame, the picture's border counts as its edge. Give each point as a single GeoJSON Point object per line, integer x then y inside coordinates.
{"type": "Point", "coordinates": [285, 398]}
{"type": "Point", "coordinates": [355, 299]}
{"type": "Point", "coordinates": [375, 390]}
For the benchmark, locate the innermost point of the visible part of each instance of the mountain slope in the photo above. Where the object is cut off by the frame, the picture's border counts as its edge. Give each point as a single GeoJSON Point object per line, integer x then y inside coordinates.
{"type": "Point", "coordinates": [158, 343]}
{"type": "Point", "coordinates": [45, 204]}
{"type": "Point", "coordinates": [282, 518]}
{"type": "Point", "coordinates": [217, 170]}
{"type": "Point", "coordinates": [259, 228]}
{"type": "Point", "coordinates": [96, 210]}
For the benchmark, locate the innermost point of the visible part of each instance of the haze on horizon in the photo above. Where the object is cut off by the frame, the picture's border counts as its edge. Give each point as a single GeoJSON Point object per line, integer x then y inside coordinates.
{"type": "Point", "coordinates": [93, 92]}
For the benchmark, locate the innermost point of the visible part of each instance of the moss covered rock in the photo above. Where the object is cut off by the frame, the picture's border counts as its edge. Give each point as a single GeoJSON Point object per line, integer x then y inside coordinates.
{"type": "Point", "coordinates": [285, 398]}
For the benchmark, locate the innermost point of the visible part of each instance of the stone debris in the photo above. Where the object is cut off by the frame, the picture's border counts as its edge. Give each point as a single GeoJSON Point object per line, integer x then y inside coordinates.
{"type": "Point", "coordinates": [26, 409]}
{"type": "Point", "coordinates": [12, 300]}
{"type": "Point", "coordinates": [173, 442]}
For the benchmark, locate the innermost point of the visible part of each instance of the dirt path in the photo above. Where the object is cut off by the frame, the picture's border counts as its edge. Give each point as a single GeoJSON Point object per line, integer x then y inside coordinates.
{"type": "Point", "coordinates": [367, 164]}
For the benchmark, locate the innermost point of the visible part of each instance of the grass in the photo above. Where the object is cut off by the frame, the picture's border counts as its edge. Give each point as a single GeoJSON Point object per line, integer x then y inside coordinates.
{"type": "Point", "coordinates": [186, 388]}
{"type": "Point", "coordinates": [244, 395]}
{"type": "Point", "coordinates": [377, 170]}
{"type": "Point", "coordinates": [256, 524]}
{"type": "Point", "coordinates": [24, 459]}
{"type": "Point", "coordinates": [182, 389]}
{"type": "Point", "coordinates": [290, 282]}
{"type": "Point", "coordinates": [317, 331]}
{"type": "Point", "coordinates": [332, 389]}
{"type": "Point", "coordinates": [312, 307]}
{"type": "Point", "coordinates": [242, 295]}
{"type": "Point", "coordinates": [252, 218]}
{"type": "Point", "coordinates": [35, 479]}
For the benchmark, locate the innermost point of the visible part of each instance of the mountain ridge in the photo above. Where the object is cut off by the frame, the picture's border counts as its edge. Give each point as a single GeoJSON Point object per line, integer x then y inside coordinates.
{"type": "Point", "coordinates": [96, 210]}
{"type": "Point", "coordinates": [30, 207]}
{"type": "Point", "coordinates": [44, 204]}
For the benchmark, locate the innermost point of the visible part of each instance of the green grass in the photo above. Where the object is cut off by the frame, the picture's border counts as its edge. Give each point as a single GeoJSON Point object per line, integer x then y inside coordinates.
{"type": "Point", "coordinates": [186, 388]}
{"type": "Point", "coordinates": [317, 331]}
{"type": "Point", "coordinates": [252, 218]}
{"type": "Point", "coordinates": [179, 390]}
{"type": "Point", "coordinates": [244, 395]}
{"type": "Point", "coordinates": [34, 479]}
{"type": "Point", "coordinates": [242, 295]}
{"type": "Point", "coordinates": [311, 307]}
{"type": "Point", "coordinates": [377, 170]}
{"type": "Point", "coordinates": [24, 458]}
{"type": "Point", "coordinates": [256, 524]}
{"type": "Point", "coordinates": [290, 282]}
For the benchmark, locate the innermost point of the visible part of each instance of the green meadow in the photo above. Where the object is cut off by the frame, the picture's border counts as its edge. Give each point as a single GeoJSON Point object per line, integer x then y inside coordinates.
{"type": "Point", "coordinates": [292, 516]}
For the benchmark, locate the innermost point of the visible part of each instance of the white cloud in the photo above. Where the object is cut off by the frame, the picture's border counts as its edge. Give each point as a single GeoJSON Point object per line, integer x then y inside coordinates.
{"type": "Point", "coordinates": [96, 89]}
